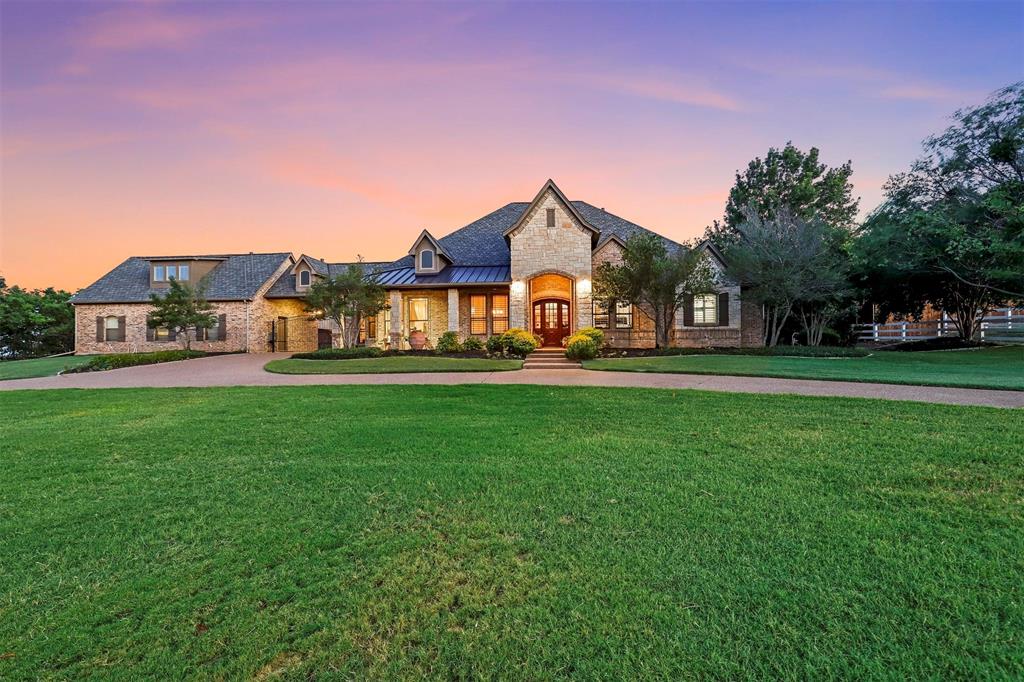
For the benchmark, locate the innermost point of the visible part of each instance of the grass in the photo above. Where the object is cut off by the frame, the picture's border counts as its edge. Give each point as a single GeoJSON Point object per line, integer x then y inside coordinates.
{"type": "Point", "coordinates": [525, 532]}
{"type": "Point", "coordinates": [399, 364]}
{"type": "Point", "coordinates": [1001, 368]}
{"type": "Point", "coordinates": [40, 367]}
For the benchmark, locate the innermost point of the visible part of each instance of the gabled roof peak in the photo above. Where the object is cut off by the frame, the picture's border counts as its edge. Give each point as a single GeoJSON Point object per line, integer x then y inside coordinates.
{"type": "Point", "coordinates": [550, 186]}
{"type": "Point", "coordinates": [425, 234]}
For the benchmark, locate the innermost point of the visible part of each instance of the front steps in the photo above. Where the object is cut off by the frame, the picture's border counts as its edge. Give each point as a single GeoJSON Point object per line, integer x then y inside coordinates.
{"type": "Point", "coordinates": [549, 358]}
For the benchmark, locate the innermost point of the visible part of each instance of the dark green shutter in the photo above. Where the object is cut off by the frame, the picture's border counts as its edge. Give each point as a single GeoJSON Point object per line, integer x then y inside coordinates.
{"type": "Point", "coordinates": [222, 327]}
{"type": "Point", "coordinates": [121, 325]}
{"type": "Point", "coordinates": [688, 310]}
{"type": "Point", "coordinates": [99, 328]}
{"type": "Point", "coordinates": [723, 309]}
{"type": "Point", "coordinates": [150, 332]}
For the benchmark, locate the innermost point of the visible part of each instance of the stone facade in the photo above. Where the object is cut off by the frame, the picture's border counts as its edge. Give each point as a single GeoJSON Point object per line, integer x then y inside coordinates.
{"type": "Point", "coordinates": [537, 249]}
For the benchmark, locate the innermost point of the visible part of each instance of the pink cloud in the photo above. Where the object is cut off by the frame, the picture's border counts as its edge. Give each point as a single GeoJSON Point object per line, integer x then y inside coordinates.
{"type": "Point", "coordinates": [148, 27]}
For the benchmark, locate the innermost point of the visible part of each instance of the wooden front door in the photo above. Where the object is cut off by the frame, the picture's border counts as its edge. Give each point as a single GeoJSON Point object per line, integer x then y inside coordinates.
{"type": "Point", "coordinates": [551, 321]}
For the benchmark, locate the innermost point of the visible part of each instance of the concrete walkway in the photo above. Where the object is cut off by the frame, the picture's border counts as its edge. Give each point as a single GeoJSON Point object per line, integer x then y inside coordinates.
{"type": "Point", "coordinates": [247, 370]}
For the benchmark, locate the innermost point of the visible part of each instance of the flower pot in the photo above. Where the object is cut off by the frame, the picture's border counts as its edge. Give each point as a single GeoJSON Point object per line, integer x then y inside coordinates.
{"type": "Point", "coordinates": [417, 340]}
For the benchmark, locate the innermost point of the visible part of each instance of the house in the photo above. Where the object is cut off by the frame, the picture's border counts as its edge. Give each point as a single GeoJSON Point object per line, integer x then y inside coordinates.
{"type": "Point", "coordinates": [527, 264]}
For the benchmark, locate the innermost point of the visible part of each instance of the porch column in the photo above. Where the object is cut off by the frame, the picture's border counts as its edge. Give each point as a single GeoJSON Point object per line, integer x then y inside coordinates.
{"type": "Point", "coordinates": [517, 302]}
{"type": "Point", "coordinates": [396, 319]}
{"type": "Point", "coordinates": [453, 310]}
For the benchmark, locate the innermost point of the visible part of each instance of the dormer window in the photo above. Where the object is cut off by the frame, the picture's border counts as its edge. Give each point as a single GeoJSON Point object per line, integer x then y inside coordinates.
{"type": "Point", "coordinates": [303, 278]}
{"type": "Point", "coordinates": [158, 274]}
{"type": "Point", "coordinates": [182, 273]}
{"type": "Point", "coordinates": [426, 259]}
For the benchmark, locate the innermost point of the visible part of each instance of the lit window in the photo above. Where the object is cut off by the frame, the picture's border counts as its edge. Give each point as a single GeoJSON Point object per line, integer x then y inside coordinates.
{"type": "Point", "coordinates": [600, 314]}
{"type": "Point", "coordinates": [387, 320]}
{"type": "Point", "coordinates": [705, 309]}
{"type": "Point", "coordinates": [162, 334]}
{"type": "Point", "coordinates": [426, 259]}
{"type": "Point", "coordinates": [478, 314]}
{"type": "Point", "coordinates": [371, 326]}
{"type": "Point", "coordinates": [623, 315]}
{"type": "Point", "coordinates": [419, 319]}
{"type": "Point", "coordinates": [158, 274]}
{"type": "Point", "coordinates": [304, 278]}
{"type": "Point", "coordinates": [183, 273]}
{"type": "Point", "coordinates": [499, 314]}
{"type": "Point", "coordinates": [172, 272]}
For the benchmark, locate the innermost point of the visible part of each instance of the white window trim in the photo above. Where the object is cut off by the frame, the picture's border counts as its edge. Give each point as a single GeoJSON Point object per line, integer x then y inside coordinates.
{"type": "Point", "coordinates": [433, 259]}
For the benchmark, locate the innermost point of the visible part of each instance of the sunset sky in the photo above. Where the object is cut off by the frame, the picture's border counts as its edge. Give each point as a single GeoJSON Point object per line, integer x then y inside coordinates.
{"type": "Point", "coordinates": [343, 129]}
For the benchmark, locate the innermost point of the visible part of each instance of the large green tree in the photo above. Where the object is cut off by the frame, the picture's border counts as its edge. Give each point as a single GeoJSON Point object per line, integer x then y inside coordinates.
{"type": "Point", "coordinates": [35, 322]}
{"type": "Point", "coordinates": [348, 299]}
{"type": "Point", "coordinates": [788, 263]}
{"type": "Point", "coordinates": [789, 178]}
{"type": "Point", "coordinates": [656, 280]}
{"type": "Point", "coordinates": [951, 230]}
{"type": "Point", "coordinates": [182, 309]}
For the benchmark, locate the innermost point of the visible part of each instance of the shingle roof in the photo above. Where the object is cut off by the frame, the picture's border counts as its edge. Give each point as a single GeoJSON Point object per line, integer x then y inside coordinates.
{"type": "Point", "coordinates": [237, 278]}
{"type": "Point", "coordinates": [483, 242]}
{"type": "Point", "coordinates": [284, 287]}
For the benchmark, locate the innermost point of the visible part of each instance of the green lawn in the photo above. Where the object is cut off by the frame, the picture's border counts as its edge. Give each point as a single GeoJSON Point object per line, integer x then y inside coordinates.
{"type": "Point", "coordinates": [41, 367]}
{"type": "Point", "coordinates": [528, 532]}
{"type": "Point", "coordinates": [400, 364]}
{"type": "Point", "coordinates": [987, 368]}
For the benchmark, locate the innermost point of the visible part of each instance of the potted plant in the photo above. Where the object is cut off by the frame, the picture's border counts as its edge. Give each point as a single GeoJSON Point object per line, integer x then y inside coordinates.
{"type": "Point", "coordinates": [417, 339]}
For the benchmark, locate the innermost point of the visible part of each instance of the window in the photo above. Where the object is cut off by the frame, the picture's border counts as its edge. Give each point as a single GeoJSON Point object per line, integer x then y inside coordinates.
{"type": "Point", "coordinates": [623, 315]}
{"type": "Point", "coordinates": [371, 326]}
{"type": "Point", "coordinates": [112, 330]}
{"type": "Point", "coordinates": [426, 259]}
{"type": "Point", "coordinates": [600, 314]}
{"type": "Point", "coordinates": [158, 274]}
{"type": "Point", "coordinates": [172, 272]}
{"type": "Point", "coordinates": [478, 314]}
{"type": "Point", "coordinates": [499, 314]}
{"type": "Point", "coordinates": [551, 217]}
{"type": "Point", "coordinates": [705, 309]}
{"type": "Point", "coordinates": [387, 322]}
{"type": "Point", "coordinates": [161, 334]}
{"type": "Point", "coordinates": [419, 319]}
{"type": "Point", "coordinates": [214, 333]}
{"type": "Point", "coordinates": [303, 278]}
{"type": "Point", "coordinates": [183, 273]}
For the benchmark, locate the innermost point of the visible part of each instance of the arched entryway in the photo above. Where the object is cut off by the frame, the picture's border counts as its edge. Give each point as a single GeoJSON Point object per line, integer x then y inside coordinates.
{"type": "Point", "coordinates": [551, 320]}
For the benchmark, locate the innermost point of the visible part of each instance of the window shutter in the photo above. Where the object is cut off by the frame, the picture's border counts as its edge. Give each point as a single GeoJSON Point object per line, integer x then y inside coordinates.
{"type": "Point", "coordinates": [121, 325]}
{"type": "Point", "coordinates": [688, 310]}
{"type": "Point", "coordinates": [99, 328]}
{"type": "Point", "coordinates": [723, 309]}
{"type": "Point", "coordinates": [172, 334]}
{"type": "Point", "coordinates": [150, 332]}
{"type": "Point", "coordinates": [222, 327]}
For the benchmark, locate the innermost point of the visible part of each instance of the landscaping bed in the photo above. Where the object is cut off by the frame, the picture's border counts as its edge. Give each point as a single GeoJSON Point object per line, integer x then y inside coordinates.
{"type": "Point", "coordinates": [516, 532]}
{"type": "Point", "coordinates": [100, 363]}
{"type": "Point", "coordinates": [776, 351]}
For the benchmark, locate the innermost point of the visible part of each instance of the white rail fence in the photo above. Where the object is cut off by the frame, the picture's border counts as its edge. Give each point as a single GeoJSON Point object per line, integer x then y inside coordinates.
{"type": "Point", "coordinates": [1002, 325]}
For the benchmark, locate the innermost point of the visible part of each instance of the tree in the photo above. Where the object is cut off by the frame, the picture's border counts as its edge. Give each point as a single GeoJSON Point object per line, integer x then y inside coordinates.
{"type": "Point", "coordinates": [785, 262]}
{"type": "Point", "coordinates": [655, 280]}
{"type": "Point", "coordinates": [347, 299]}
{"type": "Point", "coordinates": [788, 178]}
{"type": "Point", "coordinates": [951, 230]}
{"type": "Point", "coordinates": [184, 307]}
{"type": "Point", "coordinates": [36, 322]}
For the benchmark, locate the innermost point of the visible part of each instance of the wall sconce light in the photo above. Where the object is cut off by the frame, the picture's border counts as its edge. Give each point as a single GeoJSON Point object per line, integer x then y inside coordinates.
{"type": "Point", "coordinates": [583, 287]}
{"type": "Point", "coordinates": [518, 286]}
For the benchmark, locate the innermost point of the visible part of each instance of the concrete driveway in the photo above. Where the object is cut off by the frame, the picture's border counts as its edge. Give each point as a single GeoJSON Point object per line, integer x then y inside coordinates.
{"type": "Point", "coordinates": [247, 370]}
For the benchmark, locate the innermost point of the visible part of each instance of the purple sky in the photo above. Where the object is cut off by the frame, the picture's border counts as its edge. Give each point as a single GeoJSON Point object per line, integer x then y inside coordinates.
{"type": "Point", "coordinates": [344, 129]}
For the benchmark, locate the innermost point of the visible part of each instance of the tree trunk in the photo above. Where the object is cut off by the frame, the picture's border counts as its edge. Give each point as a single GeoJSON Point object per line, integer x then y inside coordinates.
{"type": "Point", "coordinates": [775, 320]}
{"type": "Point", "coordinates": [660, 327]}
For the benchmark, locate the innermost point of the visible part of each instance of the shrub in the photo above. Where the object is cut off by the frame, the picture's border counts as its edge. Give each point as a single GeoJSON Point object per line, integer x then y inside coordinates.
{"type": "Point", "coordinates": [472, 343]}
{"type": "Point", "coordinates": [449, 343]}
{"type": "Point", "coordinates": [515, 341]}
{"type": "Point", "coordinates": [340, 353]}
{"type": "Point", "coordinates": [594, 333]}
{"type": "Point", "coordinates": [119, 360]}
{"type": "Point", "coordinates": [580, 347]}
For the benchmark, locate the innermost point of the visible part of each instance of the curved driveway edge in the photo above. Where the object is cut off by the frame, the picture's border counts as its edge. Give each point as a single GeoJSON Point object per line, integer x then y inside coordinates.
{"type": "Point", "coordinates": [247, 370]}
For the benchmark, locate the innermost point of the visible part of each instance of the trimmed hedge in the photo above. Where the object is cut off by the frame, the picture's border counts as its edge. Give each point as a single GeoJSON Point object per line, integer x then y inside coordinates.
{"type": "Point", "coordinates": [119, 360]}
{"type": "Point", "coordinates": [340, 353]}
{"type": "Point", "coordinates": [593, 333]}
